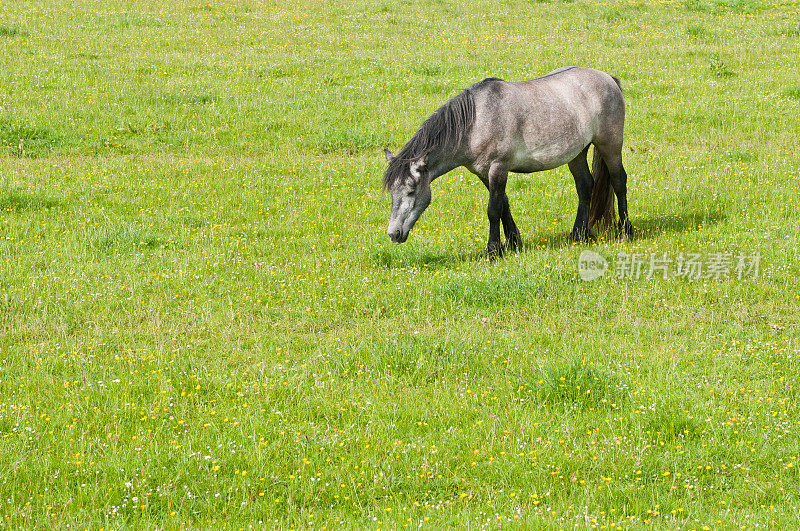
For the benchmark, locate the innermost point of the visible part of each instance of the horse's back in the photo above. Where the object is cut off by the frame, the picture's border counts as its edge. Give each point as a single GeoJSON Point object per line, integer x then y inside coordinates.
{"type": "Point", "coordinates": [544, 122]}
{"type": "Point", "coordinates": [591, 83]}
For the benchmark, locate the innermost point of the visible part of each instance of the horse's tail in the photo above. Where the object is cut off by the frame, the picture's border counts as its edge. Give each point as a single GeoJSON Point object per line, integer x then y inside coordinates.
{"type": "Point", "coordinates": [602, 202]}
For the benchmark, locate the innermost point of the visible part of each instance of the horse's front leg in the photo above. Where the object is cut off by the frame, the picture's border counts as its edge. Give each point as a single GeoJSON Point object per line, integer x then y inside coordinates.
{"type": "Point", "coordinates": [498, 203]}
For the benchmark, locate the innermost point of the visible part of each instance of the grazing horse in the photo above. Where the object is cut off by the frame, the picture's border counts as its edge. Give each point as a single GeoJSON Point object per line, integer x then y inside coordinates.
{"type": "Point", "coordinates": [495, 127]}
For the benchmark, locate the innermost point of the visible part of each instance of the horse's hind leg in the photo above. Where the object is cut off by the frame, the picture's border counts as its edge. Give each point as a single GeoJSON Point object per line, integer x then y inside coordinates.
{"type": "Point", "coordinates": [619, 182]}
{"type": "Point", "coordinates": [583, 184]}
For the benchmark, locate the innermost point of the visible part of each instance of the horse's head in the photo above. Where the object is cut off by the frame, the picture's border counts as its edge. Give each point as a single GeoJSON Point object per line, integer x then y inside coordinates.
{"type": "Point", "coordinates": [410, 185]}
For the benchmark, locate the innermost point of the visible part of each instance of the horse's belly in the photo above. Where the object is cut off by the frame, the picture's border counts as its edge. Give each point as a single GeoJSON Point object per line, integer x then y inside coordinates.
{"type": "Point", "coordinates": [530, 159]}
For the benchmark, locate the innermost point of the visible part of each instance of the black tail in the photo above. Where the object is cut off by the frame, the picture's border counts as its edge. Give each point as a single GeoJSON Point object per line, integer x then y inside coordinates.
{"type": "Point", "coordinates": [602, 203]}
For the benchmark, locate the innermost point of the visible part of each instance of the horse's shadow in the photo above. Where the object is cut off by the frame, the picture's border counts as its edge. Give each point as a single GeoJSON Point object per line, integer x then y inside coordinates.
{"type": "Point", "coordinates": [644, 229]}
{"type": "Point", "coordinates": [656, 225]}
{"type": "Point", "coordinates": [425, 259]}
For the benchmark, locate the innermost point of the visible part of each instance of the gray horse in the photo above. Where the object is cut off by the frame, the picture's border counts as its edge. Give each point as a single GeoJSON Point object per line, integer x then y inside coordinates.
{"type": "Point", "coordinates": [495, 127]}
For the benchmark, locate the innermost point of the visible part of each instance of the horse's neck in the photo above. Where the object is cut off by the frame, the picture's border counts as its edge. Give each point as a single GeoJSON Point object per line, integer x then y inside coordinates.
{"type": "Point", "coordinates": [438, 166]}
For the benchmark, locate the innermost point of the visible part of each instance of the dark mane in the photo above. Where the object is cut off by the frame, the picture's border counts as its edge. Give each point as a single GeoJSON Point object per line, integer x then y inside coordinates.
{"type": "Point", "coordinates": [442, 133]}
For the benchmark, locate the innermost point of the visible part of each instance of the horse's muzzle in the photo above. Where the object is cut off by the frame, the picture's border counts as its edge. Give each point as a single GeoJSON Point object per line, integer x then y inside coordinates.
{"type": "Point", "coordinates": [398, 236]}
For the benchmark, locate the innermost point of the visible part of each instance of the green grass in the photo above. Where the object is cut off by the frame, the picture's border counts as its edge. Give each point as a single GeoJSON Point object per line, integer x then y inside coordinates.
{"type": "Point", "coordinates": [204, 324]}
{"type": "Point", "coordinates": [726, 6]}
{"type": "Point", "coordinates": [21, 140]}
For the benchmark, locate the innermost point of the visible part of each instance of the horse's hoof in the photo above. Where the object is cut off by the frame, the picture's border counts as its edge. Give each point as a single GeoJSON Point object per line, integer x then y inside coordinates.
{"type": "Point", "coordinates": [624, 231]}
{"type": "Point", "coordinates": [514, 243]}
{"type": "Point", "coordinates": [582, 236]}
{"type": "Point", "coordinates": [494, 251]}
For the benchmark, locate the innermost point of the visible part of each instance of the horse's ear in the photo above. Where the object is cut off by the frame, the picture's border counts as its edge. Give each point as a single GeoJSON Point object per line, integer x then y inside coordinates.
{"type": "Point", "coordinates": [388, 155]}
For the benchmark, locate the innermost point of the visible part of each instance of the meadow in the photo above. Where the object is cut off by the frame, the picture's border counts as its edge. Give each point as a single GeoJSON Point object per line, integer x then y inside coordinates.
{"type": "Point", "coordinates": [204, 324]}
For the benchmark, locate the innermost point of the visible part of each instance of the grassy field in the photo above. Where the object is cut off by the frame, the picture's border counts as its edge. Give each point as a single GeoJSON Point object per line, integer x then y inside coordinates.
{"type": "Point", "coordinates": [203, 322]}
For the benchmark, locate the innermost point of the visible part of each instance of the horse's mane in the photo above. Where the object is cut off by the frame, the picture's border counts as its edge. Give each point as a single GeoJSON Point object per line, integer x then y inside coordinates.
{"type": "Point", "coordinates": [443, 133]}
